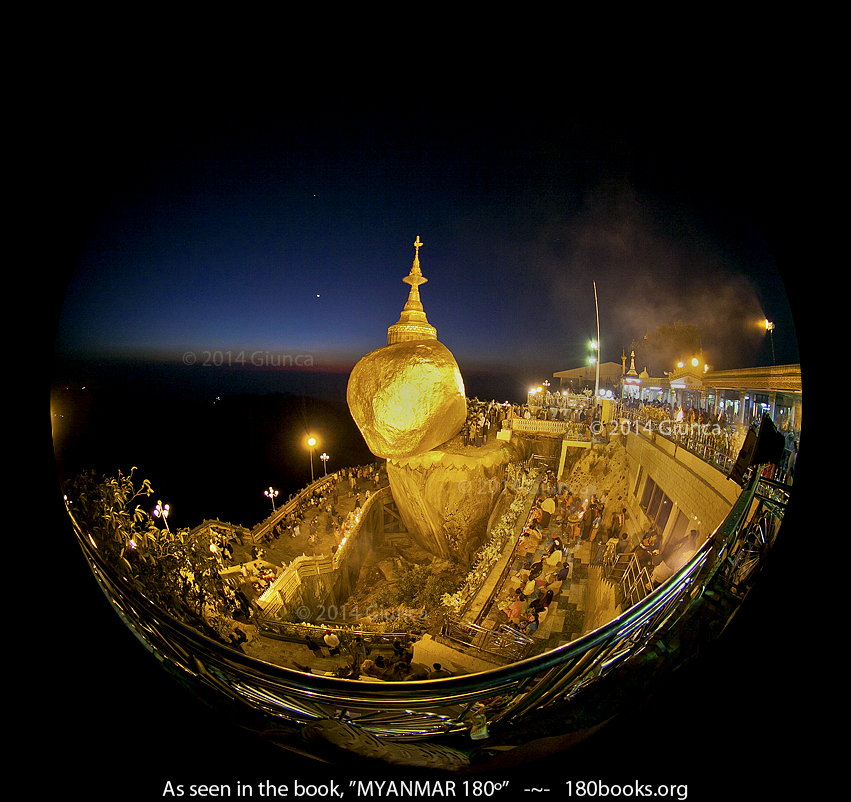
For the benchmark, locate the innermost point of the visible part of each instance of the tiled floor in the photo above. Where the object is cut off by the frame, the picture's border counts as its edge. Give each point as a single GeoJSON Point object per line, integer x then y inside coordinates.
{"type": "Point", "coordinates": [565, 616]}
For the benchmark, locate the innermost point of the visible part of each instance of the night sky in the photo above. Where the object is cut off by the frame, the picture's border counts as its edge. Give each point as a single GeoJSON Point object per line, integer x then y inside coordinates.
{"type": "Point", "coordinates": [216, 229]}
{"type": "Point", "coordinates": [270, 240]}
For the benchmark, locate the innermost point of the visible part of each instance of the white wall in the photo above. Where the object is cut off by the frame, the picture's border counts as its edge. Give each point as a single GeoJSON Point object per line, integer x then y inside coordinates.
{"type": "Point", "coordinates": [696, 488]}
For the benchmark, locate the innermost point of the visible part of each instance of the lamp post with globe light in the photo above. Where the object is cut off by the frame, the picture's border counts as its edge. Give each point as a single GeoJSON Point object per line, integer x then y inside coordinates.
{"type": "Point", "coordinates": [324, 457]}
{"type": "Point", "coordinates": [161, 511]}
{"type": "Point", "coordinates": [270, 493]}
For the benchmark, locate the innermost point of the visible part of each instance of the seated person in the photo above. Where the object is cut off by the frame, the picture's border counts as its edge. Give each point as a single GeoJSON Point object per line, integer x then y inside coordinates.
{"type": "Point", "coordinates": [537, 607]}
{"type": "Point", "coordinates": [438, 671]}
{"type": "Point", "coordinates": [375, 668]}
{"type": "Point", "coordinates": [417, 671]}
{"type": "Point", "coordinates": [515, 610]}
{"type": "Point", "coordinates": [531, 626]}
{"type": "Point", "coordinates": [397, 672]}
{"type": "Point", "coordinates": [534, 517]}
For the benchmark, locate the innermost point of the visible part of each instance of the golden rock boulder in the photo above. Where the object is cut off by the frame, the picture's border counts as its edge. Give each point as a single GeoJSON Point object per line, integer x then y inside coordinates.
{"type": "Point", "coordinates": [407, 398]}
{"type": "Point", "coordinates": [446, 496]}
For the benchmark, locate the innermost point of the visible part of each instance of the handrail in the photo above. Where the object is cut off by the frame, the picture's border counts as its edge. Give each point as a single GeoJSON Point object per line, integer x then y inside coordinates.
{"type": "Point", "coordinates": [627, 621]}
{"type": "Point", "coordinates": [285, 509]}
{"type": "Point", "coordinates": [503, 641]}
{"type": "Point", "coordinates": [682, 434]}
{"type": "Point", "coordinates": [434, 707]}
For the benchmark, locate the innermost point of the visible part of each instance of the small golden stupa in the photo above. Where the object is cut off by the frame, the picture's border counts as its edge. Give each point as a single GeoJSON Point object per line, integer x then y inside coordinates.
{"type": "Point", "coordinates": [412, 323]}
{"type": "Point", "coordinates": [408, 396]}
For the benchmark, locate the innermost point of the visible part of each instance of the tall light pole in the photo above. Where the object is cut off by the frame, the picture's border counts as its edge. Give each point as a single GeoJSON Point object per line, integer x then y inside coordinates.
{"type": "Point", "coordinates": [311, 442]}
{"type": "Point", "coordinates": [324, 457]}
{"type": "Point", "coordinates": [769, 327]}
{"type": "Point", "coordinates": [597, 381]}
{"type": "Point", "coordinates": [270, 493]}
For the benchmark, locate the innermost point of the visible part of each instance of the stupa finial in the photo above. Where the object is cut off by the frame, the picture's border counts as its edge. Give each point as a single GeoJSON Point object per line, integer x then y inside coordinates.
{"type": "Point", "coordinates": [412, 324]}
{"type": "Point", "coordinates": [415, 278]}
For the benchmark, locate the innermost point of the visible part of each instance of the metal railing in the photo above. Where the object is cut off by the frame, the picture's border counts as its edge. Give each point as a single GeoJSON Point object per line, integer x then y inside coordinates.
{"type": "Point", "coordinates": [636, 583]}
{"type": "Point", "coordinates": [719, 449]}
{"type": "Point", "coordinates": [288, 507]}
{"type": "Point", "coordinates": [427, 709]}
{"type": "Point", "coordinates": [502, 642]}
{"type": "Point", "coordinates": [567, 429]}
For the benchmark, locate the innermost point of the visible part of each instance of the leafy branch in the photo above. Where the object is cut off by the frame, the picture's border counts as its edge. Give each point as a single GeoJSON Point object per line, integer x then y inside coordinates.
{"type": "Point", "coordinates": [174, 569]}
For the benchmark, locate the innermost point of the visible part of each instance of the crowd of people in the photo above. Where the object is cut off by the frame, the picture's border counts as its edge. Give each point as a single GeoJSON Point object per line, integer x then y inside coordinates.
{"type": "Point", "coordinates": [397, 666]}
{"type": "Point", "coordinates": [484, 419]}
{"type": "Point", "coordinates": [662, 410]}
{"type": "Point", "coordinates": [315, 513]}
{"type": "Point", "coordinates": [559, 520]}
{"type": "Point", "coordinates": [574, 408]}
{"type": "Point", "coordinates": [306, 517]}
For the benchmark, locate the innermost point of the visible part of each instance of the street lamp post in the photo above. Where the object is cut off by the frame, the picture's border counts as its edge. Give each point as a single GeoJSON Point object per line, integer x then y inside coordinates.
{"type": "Point", "coordinates": [769, 327]}
{"type": "Point", "coordinates": [597, 381]}
{"type": "Point", "coordinates": [161, 511]}
{"type": "Point", "coordinates": [324, 457]}
{"type": "Point", "coordinates": [311, 442]}
{"type": "Point", "coordinates": [270, 493]}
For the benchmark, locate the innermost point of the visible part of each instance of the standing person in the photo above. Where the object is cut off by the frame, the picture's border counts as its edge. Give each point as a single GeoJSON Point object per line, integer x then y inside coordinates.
{"type": "Point", "coordinates": [618, 523]}
{"type": "Point", "coordinates": [315, 648]}
{"type": "Point", "coordinates": [587, 523]}
{"type": "Point", "coordinates": [548, 507]}
{"type": "Point", "coordinates": [646, 550]}
{"type": "Point", "coordinates": [332, 642]}
{"type": "Point", "coordinates": [595, 526]}
{"type": "Point", "coordinates": [359, 650]}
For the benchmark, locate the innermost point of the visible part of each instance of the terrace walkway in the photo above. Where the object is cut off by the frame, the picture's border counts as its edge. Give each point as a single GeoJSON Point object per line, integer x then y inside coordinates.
{"type": "Point", "coordinates": [565, 616]}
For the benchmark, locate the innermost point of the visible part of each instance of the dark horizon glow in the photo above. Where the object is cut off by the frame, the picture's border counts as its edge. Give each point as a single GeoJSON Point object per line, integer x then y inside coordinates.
{"type": "Point", "coordinates": [292, 240]}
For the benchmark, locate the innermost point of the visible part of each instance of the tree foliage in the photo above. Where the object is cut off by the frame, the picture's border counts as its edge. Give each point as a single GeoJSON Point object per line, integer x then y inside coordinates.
{"type": "Point", "coordinates": [174, 569]}
{"type": "Point", "coordinates": [417, 587]}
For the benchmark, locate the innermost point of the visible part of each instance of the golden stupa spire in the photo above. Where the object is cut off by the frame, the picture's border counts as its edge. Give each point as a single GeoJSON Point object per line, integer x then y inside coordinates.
{"type": "Point", "coordinates": [632, 371]}
{"type": "Point", "coordinates": [412, 323]}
